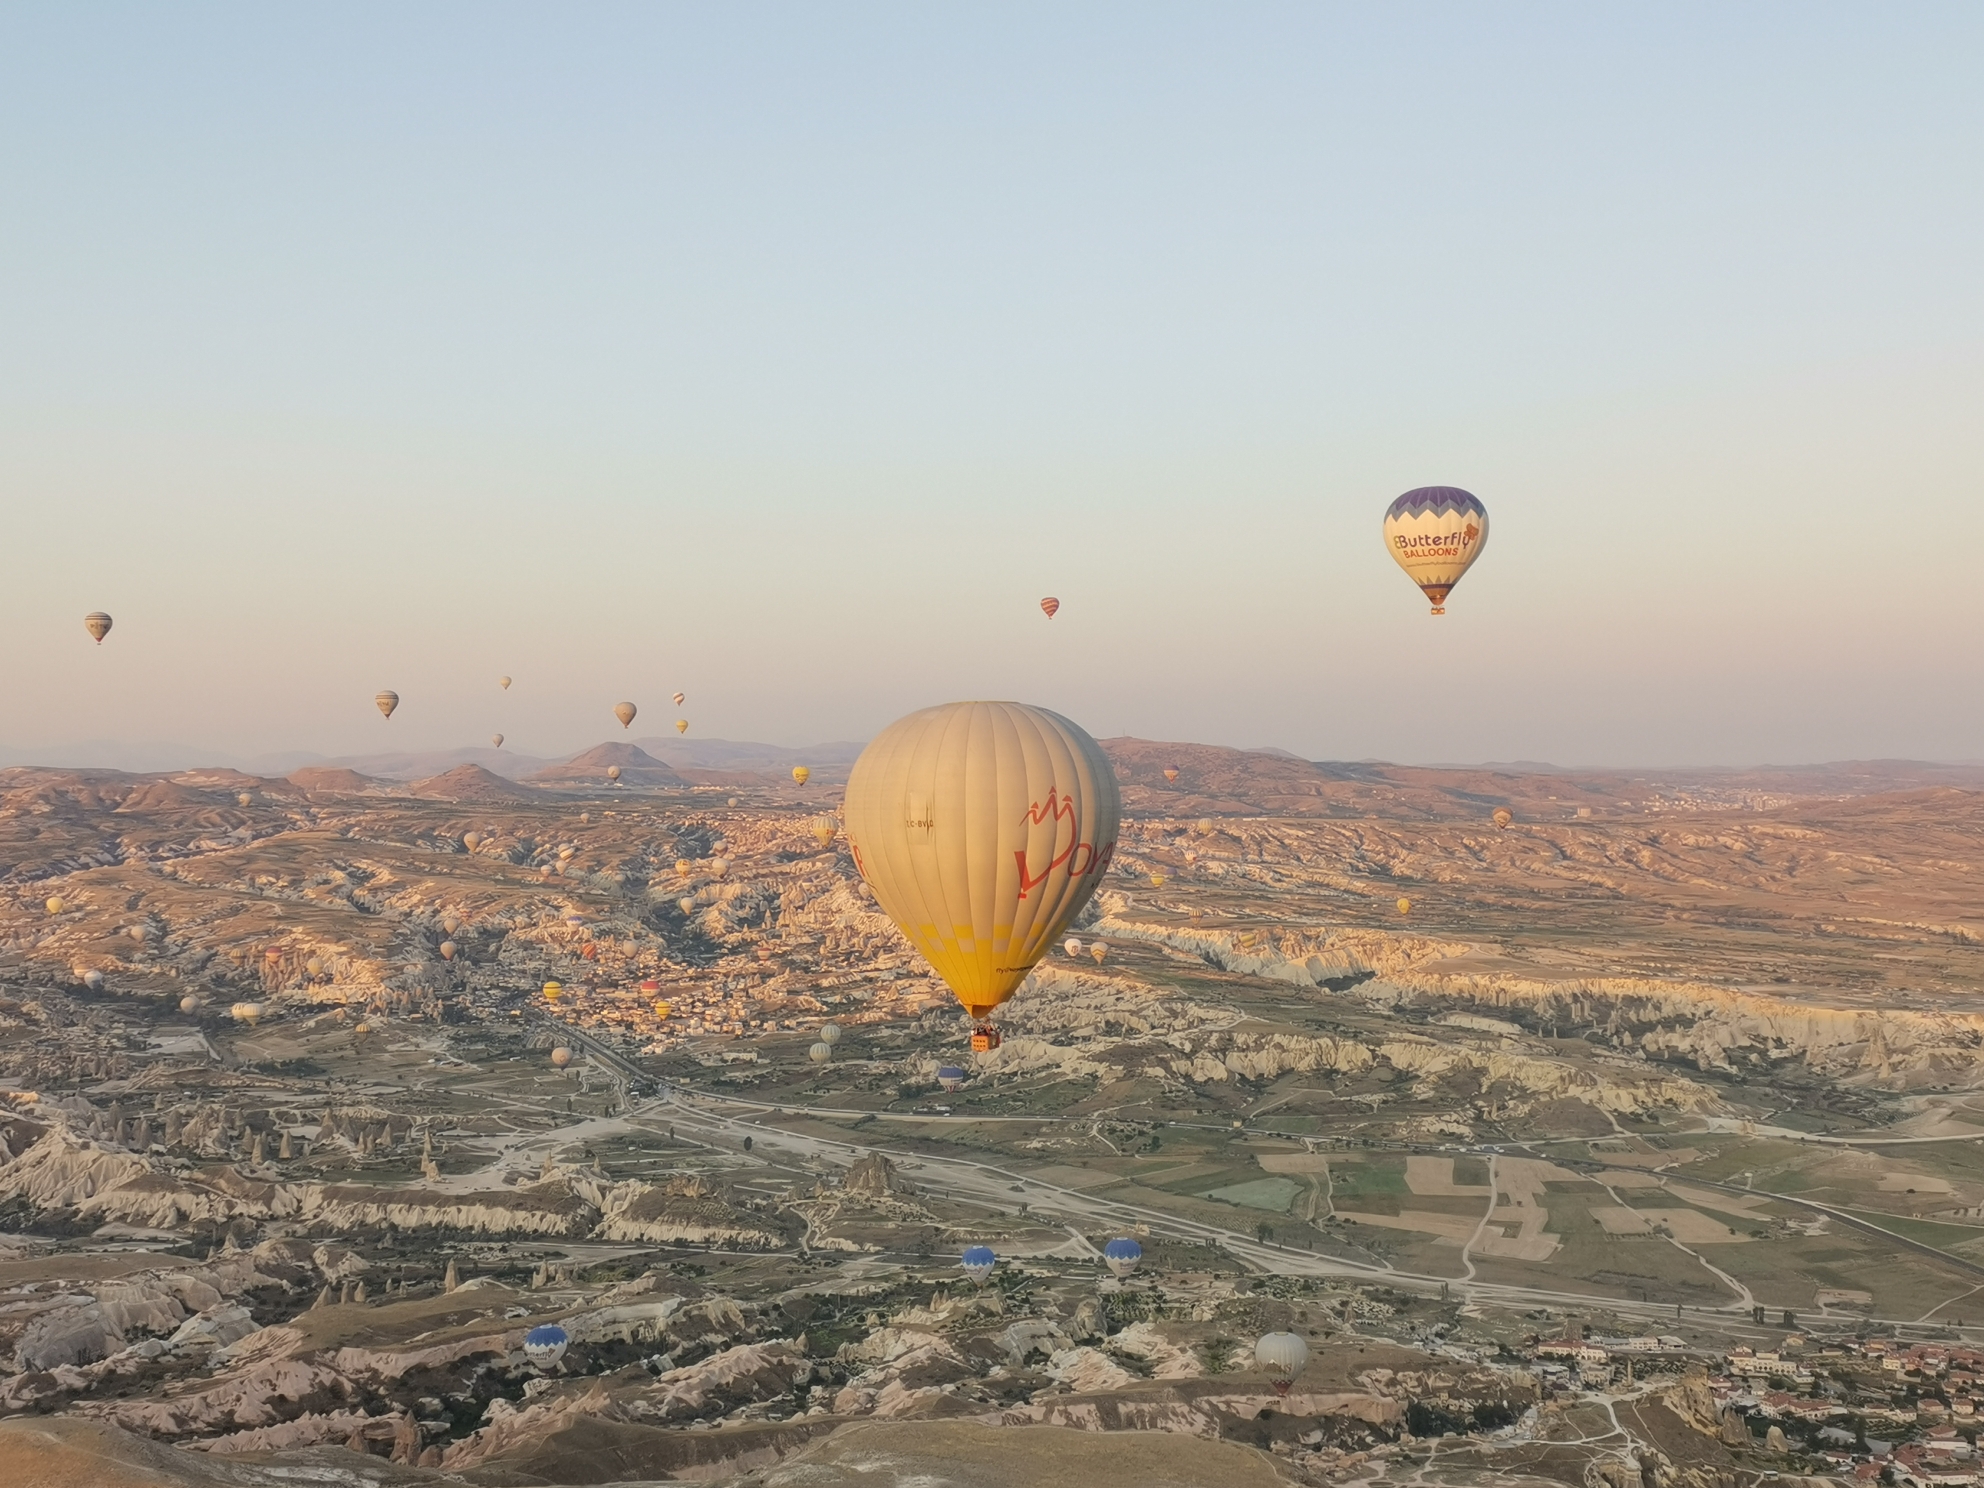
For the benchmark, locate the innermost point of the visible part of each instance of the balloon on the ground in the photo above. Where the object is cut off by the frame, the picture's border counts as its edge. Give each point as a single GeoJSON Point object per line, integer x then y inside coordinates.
{"type": "Point", "coordinates": [978, 1263]}
{"type": "Point", "coordinates": [1282, 1357]}
{"type": "Point", "coordinates": [1050, 605]}
{"type": "Point", "coordinates": [1435, 533]}
{"type": "Point", "coordinates": [545, 1345]}
{"type": "Point", "coordinates": [983, 828]}
{"type": "Point", "coordinates": [1122, 1256]}
{"type": "Point", "coordinates": [98, 625]}
{"type": "Point", "coordinates": [386, 701]}
{"type": "Point", "coordinates": [625, 713]}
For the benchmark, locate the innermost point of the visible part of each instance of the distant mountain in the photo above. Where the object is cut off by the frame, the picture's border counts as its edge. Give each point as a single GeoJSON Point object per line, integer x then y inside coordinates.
{"type": "Point", "coordinates": [637, 767]}
{"type": "Point", "coordinates": [470, 783]}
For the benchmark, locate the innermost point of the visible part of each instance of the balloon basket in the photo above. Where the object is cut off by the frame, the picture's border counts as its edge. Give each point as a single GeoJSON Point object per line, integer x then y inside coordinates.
{"type": "Point", "coordinates": [984, 1039]}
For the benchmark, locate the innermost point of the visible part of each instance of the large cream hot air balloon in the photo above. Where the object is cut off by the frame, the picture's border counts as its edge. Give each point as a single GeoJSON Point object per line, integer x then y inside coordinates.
{"type": "Point", "coordinates": [1434, 534]}
{"type": "Point", "coordinates": [386, 701]}
{"type": "Point", "coordinates": [982, 828]}
{"type": "Point", "coordinates": [98, 625]}
{"type": "Point", "coordinates": [497, 740]}
{"type": "Point", "coordinates": [625, 713]}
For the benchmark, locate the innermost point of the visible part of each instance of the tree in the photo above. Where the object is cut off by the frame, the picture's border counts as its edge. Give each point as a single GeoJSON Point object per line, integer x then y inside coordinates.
{"type": "Point", "coordinates": [1264, 1232]}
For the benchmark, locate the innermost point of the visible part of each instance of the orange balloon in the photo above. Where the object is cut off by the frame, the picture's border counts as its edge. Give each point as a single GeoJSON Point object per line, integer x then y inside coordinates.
{"type": "Point", "coordinates": [1050, 605]}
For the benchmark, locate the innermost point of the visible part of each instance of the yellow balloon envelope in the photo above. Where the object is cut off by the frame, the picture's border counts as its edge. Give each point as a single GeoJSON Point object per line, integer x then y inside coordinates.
{"type": "Point", "coordinates": [801, 774]}
{"type": "Point", "coordinates": [1405, 906]}
{"type": "Point", "coordinates": [681, 725]}
{"type": "Point", "coordinates": [1435, 534]}
{"type": "Point", "coordinates": [982, 828]}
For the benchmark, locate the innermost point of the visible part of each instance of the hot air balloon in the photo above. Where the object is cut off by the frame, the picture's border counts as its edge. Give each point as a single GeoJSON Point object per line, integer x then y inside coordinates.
{"type": "Point", "coordinates": [1405, 906]}
{"type": "Point", "coordinates": [1072, 945]}
{"type": "Point", "coordinates": [246, 1012]}
{"type": "Point", "coordinates": [719, 866]}
{"type": "Point", "coordinates": [552, 992]}
{"type": "Point", "coordinates": [950, 1077]}
{"type": "Point", "coordinates": [1122, 1256]}
{"type": "Point", "coordinates": [504, 682]}
{"type": "Point", "coordinates": [189, 1004]}
{"type": "Point", "coordinates": [801, 774]}
{"type": "Point", "coordinates": [681, 725]}
{"type": "Point", "coordinates": [687, 906]}
{"type": "Point", "coordinates": [1282, 1357]}
{"type": "Point", "coordinates": [764, 953]}
{"type": "Point", "coordinates": [662, 1010]}
{"type": "Point", "coordinates": [625, 713]}
{"type": "Point", "coordinates": [1050, 605]}
{"type": "Point", "coordinates": [1099, 950]}
{"type": "Point", "coordinates": [314, 966]}
{"type": "Point", "coordinates": [54, 904]}
{"type": "Point", "coordinates": [386, 701]}
{"type": "Point", "coordinates": [1171, 774]}
{"type": "Point", "coordinates": [1434, 534]}
{"type": "Point", "coordinates": [681, 698]}
{"type": "Point", "coordinates": [982, 828]}
{"type": "Point", "coordinates": [93, 979]}
{"type": "Point", "coordinates": [447, 950]}
{"type": "Point", "coordinates": [830, 1033]}
{"type": "Point", "coordinates": [1157, 880]}
{"type": "Point", "coordinates": [612, 772]}
{"type": "Point", "coordinates": [496, 740]}
{"type": "Point", "coordinates": [978, 1262]}
{"type": "Point", "coordinates": [823, 830]}
{"type": "Point", "coordinates": [1503, 816]}
{"type": "Point", "coordinates": [545, 1345]}
{"type": "Point", "coordinates": [560, 1057]}
{"type": "Point", "coordinates": [472, 840]}
{"type": "Point", "coordinates": [98, 625]}
{"type": "Point", "coordinates": [821, 1052]}
{"type": "Point", "coordinates": [244, 799]}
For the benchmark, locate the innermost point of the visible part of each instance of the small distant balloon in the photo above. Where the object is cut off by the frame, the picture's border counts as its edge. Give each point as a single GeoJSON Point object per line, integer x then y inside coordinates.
{"type": "Point", "coordinates": [189, 1004]}
{"type": "Point", "coordinates": [314, 966]}
{"type": "Point", "coordinates": [553, 991]}
{"type": "Point", "coordinates": [54, 904]}
{"type": "Point", "coordinates": [681, 725]}
{"type": "Point", "coordinates": [1072, 945]}
{"type": "Point", "coordinates": [545, 1345]}
{"type": "Point", "coordinates": [504, 683]}
{"type": "Point", "coordinates": [1099, 950]}
{"type": "Point", "coordinates": [823, 830]}
{"type": "Point", "coordinates": [1503, 816]}
{"type": "Point", "coordinates": [1282, 1357]}
{"type": "Point", "coordinates": [473, 840]}
{"type": "Point", "coordinates": [1122, 1256]}
{"type": "Point", "coordinates": [447, 950]}
{"type": "Point", "coordinates": [625, 713]}
{"type": "Point", "coordinates": [681, 698]}
{"type": "Point", "coordinates": [1157, 880]}
{"type": "Point", "coordinates": [830, 1033]}
{"type": "Point", "coordinates": [801, 774]}
{"type": "Point", "coordinates": [1171, 774]}
{"type": "Point", "coordinates": [246, 1012]}
{"type": "Point", "coordinates": [821, 1052]}
{"type": "Point", "coordinates": [1405, 906]}
{"type": "Point", "coordinates": [612, 772]}
{"type": "Point", "coordinates": [764, 953]}
{"type": "Point", "coordinates": [951, 1077]}
{"type": "Point", "coordinates": [386, 701]}
{"type": "Point", "coordinates": [977, 1263]}
{"type": "Point", "coordinates": [496, 740]}
{"type": "Point", "coordinates": [244, 799]}
{"type": "Point", "coordinates": [560, 1057]}
{"type": "Point", "coordinates": [1049, 605]}
{"type": "Point", "coordinates": [93, 979]}
{"type": "Point", "coordinates": [98, 625]}
{"type": "Point", "coordinates": [687, 906]}
{"type": "Point", "coordinates": [661, 1010]}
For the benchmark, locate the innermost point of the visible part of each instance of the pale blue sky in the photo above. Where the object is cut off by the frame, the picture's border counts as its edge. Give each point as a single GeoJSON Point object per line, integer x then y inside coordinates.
{"type": "Point", "coordinates": [789, 354]}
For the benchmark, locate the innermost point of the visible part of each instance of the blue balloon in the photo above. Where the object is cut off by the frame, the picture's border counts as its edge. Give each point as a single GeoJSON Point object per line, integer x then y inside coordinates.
{"type": "Point", "coordinates": [1122, 1255]}
{"type": "Point", "coordinates": [978, 1262]}
{"type": "Point", "coordinates": [545, 1344]}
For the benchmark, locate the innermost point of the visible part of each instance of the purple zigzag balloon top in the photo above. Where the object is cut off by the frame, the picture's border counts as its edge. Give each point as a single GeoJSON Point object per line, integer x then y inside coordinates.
{"type": "Point", "coordinates": [1438, 500]}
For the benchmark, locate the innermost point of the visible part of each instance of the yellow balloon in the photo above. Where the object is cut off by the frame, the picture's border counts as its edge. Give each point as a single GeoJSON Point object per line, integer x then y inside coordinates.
{"type": "Point", "coordinates": [1435, 534]}
{"type": "Point", "coordinates": [801, 774]}
{"type": "Point", "coordinates": [982, 828]}
{"type": "Point", "coordinates": [54, 905]}
{"type": "Point", "coordinates": [823, 830]}
{"type": "Point", "coordinates": [1405, 906]}
{"type": "Point", "coordinates": [684, 867]}
{"type": "Point", "coordinates": [553, 991]}
{"type": "Point", "coordinates": [681, 725]}
{"type": "Point", "coordinates": [661, 1010]}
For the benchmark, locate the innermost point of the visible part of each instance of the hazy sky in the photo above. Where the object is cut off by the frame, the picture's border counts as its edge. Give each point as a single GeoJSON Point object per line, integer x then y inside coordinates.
{"type": "Point", "coordinates": [788, 354]}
